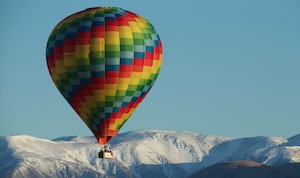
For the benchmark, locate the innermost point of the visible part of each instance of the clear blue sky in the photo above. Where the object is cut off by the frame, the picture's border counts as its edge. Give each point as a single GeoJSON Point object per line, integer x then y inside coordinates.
{"type": "Point", "coordinates": [230, 68]}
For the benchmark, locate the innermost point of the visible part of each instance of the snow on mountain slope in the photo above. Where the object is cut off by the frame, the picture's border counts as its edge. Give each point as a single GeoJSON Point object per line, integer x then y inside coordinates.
{"type": "Point", "coordinates": [137, 154]}
{"type": "Point", "coordinates": [172, 153]}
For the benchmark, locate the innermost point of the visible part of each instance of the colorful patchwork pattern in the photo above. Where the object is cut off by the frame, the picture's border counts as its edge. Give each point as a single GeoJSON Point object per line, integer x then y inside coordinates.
{"type": "Point", "coordinates": [104, 61]}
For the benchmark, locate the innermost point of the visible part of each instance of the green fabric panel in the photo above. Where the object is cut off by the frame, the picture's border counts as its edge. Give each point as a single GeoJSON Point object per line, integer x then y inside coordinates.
{"type": "Point", "coordinates": [140, 87]}
{"type": "Point", "coordinates": [63, 76]}
{"type": "Point", "coordinates": [119, 98]}
{"type": "Point", "coordinates": [138, 41]}
{"type": "Point", "coordinates": [137, 35]}
{"type": "Point", "coordinates": [149, 82]}
{"type": "Point", "coordinates": [129, 93]}
{"type": "Point", "coordinates": [72, 75]}
{"type": "Point", "coordinates": [82, 61]}
{"type": "Point", "coordinates": [83, 68]}
{"type": "Point", "coordinates": [143, 82]}
{"type": "Point", "coordinates": [58, 83]}
{"type": "Point", "coordinates": [109, 104]}
{"type": "Point", "coordinates": [112, 54]}
{"type": "Point", "coordinates": [63, 30]}
{"type": "Point", "coordinates": [118, 127]}
{"type": "Point", "coordinates": [109, 98]}
{"type": "Point", "coordinates": [147, 36]}
{"type": "Point", "coordinates": [65, 82]}
{"type": "Point", "coordinates": [112, 48]}
{"type": "Point", "coordinates": [52, 37]}
{"type": "Point", "coordinates": [126, 41]}
{"type": "Point", "coordinates": [96, 54]}
{"type": "Point", "coordinates": [88, 17]}
{"type": "Point", "coordinates": [121, 93]}
{"type": "Point", "coordinates": [97, 61]}
{"type": "Point", "coordinates": [71, 69]}
{"type": "Point", "coordinates": [126, 48]}
{"type": "Point", "coordinates": [131, 88]}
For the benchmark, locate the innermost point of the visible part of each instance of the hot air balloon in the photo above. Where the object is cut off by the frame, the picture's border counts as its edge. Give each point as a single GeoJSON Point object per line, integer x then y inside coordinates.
{"type": "Point", "coordinates": [104, 61]}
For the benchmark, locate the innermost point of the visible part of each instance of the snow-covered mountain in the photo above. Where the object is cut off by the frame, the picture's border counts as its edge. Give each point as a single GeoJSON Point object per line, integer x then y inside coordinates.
{"type": "Point", "coordinates": [138, 154]}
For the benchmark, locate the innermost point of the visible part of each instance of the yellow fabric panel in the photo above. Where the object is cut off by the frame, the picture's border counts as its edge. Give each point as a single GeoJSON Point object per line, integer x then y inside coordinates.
{"type": "Point", "coordinates": [60, 67]}
{"type": "Point", "coordinates": [134, 81]}
{"type": "Point", "coordinates": [82, 48]}
{"type": "Point", "coordinates": [123, 80]}
{"type": "Point", "coordinates": [155, 62]}
{"type": "Point", "coordinates": [110, 87]}
{"type": "Point", "coordinates": [99, 92]}
{"type": "Point", "coordinates": [147, 69]}
{"type": "Point", "coordinates": [124, 29]}
{"type": "Point", "coordinates": [82, 113]}
{"type": "Point", "coordinates": [82, 54]}
{"type": "Point", "coordinates": [145, 75]}
{"type": "Point", "coordinates": [85, 109]}
{"type": "Point", "coordinates": [159, 63]}
{"type": "Point", "coordinates": [134, 27]}
{"type": "Point", "coordinates": [113, 126]}
{"type": "Point", "coordinates": [69, 55]}
{"type": "Point", "coordinates": [112, 38]}
{"type": "Point", "coordinates": [110, 92]}
{"type": "Point", "coordinates": [135, 75]}
{"type": "Point", "coordinates": [112, 41]}
{"type": "Point", "coordinates": [80, 15]}
{"type": "Point", "coordinates": [90, 101]}
{"type": "Point", "coordinates": [70, 62]}
{"type": "Point", "coordinates": [100, 98]}
{"type": "Point", "coordinates": [141, 22]}
{"type": "Point", "coordinates": [97, 44]}
{"type": "Point", "coordinates": [111, 34]}
{"type": "Point", "coordinates": [146, 72]}
{"type": "Point", "coordinates": [84, 117]}
{"type": "Point", "coordinates": [154, 70]}
{"type": "Point", "coordinates": [54, 74]}
{"type": "Point", "coordinates": [96, 41]}
{"type": "Point", "coordinates": [126, 35]}
{"type": "Point", "coordinates": [97, 47]}
{"type": "Point", "coordinates": [122, 87]}
{"type": "Point", "coordinates": [119, 121]}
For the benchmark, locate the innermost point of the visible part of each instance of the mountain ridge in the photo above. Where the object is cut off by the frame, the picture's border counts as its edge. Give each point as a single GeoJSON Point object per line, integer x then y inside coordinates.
{"type": "Point", "coordinates": [144, 153]}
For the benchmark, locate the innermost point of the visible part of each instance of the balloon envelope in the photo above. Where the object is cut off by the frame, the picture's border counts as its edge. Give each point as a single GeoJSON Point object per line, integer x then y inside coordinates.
{"type": "Point", "coordinates": [104, 61]}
